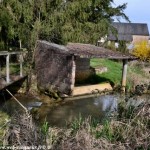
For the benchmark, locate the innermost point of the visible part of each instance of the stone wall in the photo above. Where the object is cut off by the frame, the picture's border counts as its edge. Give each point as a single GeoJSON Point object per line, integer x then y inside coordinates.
{"type": "Point", "coordinates": [83, 70]}
{"type": "Point", "coordinates": [55, 68]}
{"type": "Point", "coordinates": [138, 39]}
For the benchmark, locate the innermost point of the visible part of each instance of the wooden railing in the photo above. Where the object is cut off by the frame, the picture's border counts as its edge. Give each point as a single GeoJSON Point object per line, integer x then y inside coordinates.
{"type": "Point", "coordinates": [7, 56]}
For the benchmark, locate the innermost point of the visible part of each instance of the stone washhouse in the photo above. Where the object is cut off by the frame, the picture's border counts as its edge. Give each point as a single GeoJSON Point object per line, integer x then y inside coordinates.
{"type": "Point", "coordinates": [59, 67]}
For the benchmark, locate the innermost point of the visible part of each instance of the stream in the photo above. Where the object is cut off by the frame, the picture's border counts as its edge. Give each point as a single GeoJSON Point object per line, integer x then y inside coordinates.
{"type": "Point", "coordinates": [64, 113]}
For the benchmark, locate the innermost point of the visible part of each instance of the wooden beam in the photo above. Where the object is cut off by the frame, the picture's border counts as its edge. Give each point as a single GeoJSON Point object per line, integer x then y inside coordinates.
{"type": "Point", "coordinates": [7, 69]}
{"type": "Point", "coordinates": [124, 74]}
{"type": "Point", "coordinates": [5, 53]}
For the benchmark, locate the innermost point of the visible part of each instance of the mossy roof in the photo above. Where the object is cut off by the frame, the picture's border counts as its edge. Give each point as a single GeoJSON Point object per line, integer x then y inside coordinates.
{"type": "Point", "coordinates": [84, 51]}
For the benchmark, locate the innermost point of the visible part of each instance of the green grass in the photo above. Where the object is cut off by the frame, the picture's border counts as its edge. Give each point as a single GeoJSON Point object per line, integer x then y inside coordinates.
{"type": "Point", "coordinates": [45, 127]}
{"type": "Point", "coordinates": [135, 74]}
{"type": "Point", "coordinates": [114, 70]}
{"type": "Point", "coordinates": [14, 68]}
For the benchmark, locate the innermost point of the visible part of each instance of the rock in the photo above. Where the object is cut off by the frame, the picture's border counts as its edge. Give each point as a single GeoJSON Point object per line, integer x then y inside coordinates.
{"type": "Point", "coordinates": [101, 70]}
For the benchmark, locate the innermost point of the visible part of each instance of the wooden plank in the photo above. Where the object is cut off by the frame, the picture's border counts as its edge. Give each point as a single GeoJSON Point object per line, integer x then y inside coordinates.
{"type": "Point", "coordinates": [5, 53]}
{"type": "Point", "coordinates": [12, 82]}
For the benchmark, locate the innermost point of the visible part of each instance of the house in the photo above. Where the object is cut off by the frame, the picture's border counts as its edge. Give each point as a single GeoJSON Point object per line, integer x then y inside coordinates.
{"type": "Point", "coordinates": [58, 67]}
{"type": "Point", "coordinates": [129, 32]}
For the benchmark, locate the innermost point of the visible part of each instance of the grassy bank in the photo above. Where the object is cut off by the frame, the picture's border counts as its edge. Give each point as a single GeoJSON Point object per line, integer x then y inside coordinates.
{"type": "Point", "coordinates": [129, 128]}
{"type": "Point", "coordinates": [136, 73]}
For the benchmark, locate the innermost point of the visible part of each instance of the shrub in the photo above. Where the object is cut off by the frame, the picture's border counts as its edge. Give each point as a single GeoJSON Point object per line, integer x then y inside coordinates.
{"type": "Point", "coordinates": [122, 47]}
{"type": "Point", "coordinates": [111, 45]}
{"type": "Point", "coordinates": [142, 50]}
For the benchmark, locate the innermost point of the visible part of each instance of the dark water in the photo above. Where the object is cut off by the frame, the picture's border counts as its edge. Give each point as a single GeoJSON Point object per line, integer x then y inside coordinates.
{"type": "Point", "coordinates": [65, 113]}
{"type": "Point", "coordinates": [11, 106]}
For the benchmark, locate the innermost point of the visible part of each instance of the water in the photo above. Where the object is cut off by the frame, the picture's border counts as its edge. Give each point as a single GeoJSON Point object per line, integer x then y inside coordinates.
{"type": "Point", "coordinates": [11, 106]}
{"type": "Point", "coordinates": [65, 113]}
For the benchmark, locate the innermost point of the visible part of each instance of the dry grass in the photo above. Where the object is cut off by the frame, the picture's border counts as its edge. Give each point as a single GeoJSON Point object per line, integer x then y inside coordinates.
{"type": "Point", "coordinates": [138, 74]}
{"type": "Point", "coordinates": [22, 131]}
{"type": "Point", "coordinates": [137, 79]}
{"type": "Point", "coordinates": [4, 120]}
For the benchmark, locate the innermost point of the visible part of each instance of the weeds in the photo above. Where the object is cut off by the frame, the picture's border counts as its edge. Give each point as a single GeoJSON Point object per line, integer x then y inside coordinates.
{"type": "Point", "coordinates": [45, 127]}
{"type": "Point", "coordinates": [76, 124]}
{"type": "Point", "coordinates": [105, 131]}
{"type": "Point", "coordinates": [4, 120]}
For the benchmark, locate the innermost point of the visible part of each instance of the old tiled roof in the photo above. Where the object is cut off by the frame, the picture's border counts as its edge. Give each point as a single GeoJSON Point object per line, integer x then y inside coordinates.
{"type": "Point", "coordinates": [83, 50]}
{"type": "Point", "coordinates": [126, 30]}
{"type": "Point", "coordinates": [91, 51]}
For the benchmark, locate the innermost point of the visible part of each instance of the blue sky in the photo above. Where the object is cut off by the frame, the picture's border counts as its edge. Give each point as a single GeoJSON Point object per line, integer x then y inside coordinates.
{"type": "Point", "coordinates": [138, 11]}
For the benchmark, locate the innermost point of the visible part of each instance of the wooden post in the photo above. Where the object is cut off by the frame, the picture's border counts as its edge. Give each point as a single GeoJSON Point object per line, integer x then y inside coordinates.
{"type": "Point", "coordinates": [124, 74]}
{"type": "Point", "coordinates": [73, 73]}
{"type": "Point", "coordinates": [7, 69]}
{"type": "Point", "coordinates": [21, 68]}
{"type": "Point", "coordinates": [20, 44]}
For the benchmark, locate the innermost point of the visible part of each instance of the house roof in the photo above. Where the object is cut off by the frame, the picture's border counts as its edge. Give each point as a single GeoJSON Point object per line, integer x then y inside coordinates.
{"type": "Point", "coordinates": [84, 50]}
{"type": "Point", "coordinates": [126, 30]}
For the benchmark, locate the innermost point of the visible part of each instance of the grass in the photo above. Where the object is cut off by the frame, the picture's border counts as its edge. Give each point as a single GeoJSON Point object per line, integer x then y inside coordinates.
{"type": "Point", "coordinates": [105, 132]}
{"type": "Point", "coordinates": [113, 76]}
{"type": "Point", "coordinates": [4, 118]}
{"type": "Point", "coordinates": [114, 69]}
{"type": "Point", "coordinates": [135, 74]}
{"type": "Point", "coordinates": [76, 124]}
{"type": "Point", "coordinates": [45, 127]}
{"type": "Point", "coordinates": [14, 68]}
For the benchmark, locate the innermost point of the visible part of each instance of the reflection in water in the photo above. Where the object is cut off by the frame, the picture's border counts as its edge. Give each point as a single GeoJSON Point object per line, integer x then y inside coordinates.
{"type": "Point", "coordinates": [108, 102]}
{"type": "Point", "coordinates": [33, 104]}
{"type": "Point", "coordinates": [94, 107]}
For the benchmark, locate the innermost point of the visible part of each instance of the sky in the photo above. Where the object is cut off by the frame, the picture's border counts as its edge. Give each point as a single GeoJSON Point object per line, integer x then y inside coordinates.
{"type": "Point", "coordinates": [138, 11]}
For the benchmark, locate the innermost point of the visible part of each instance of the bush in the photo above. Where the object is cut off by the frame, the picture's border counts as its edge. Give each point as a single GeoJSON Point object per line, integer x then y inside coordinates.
{"type": "Point", "coordinates": [122, 47]}
{"type": "Point", "coordinates": [142, 50]}
{"type": "Point", "coordinates": [111, 45]}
